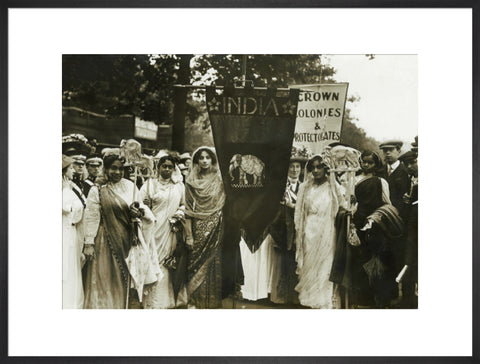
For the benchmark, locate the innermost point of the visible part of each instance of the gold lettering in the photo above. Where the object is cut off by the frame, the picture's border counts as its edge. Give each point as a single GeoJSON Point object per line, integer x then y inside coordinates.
{"type": "Point", "coordinates": [245, 106]}
{"type": "Point", "coordinates": [230, 102]}
{"type": "Point", "coordinates": [272, 102]}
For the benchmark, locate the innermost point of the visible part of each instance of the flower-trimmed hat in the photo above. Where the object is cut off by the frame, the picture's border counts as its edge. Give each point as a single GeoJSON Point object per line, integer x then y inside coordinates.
{"type": "Point", "coordinates": [301, 155]}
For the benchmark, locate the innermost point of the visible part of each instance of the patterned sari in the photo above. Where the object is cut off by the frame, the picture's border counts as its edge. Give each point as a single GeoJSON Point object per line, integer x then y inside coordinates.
{"type": "Point", "coordinates": [204, 263]}
{"type": "Point", "coordinates": [204, 200]}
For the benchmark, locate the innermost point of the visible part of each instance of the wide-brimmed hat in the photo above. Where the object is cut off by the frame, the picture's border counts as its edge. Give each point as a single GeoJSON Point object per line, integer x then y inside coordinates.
{"type": "Point", "coordinates": [301, 155]}
{"type": "Point", "coordinates": [73, 144]}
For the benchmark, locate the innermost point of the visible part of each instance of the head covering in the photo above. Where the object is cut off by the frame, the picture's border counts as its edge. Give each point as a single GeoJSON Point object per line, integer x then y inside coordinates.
{"type": "Point", "coordinates": [391, 144]}
{"type": "Point", "coordinates": [204, 193]}
{"type": "Point", "coordinates": [74, 144]}
{"type": "Point", "coordinates": [300, 155]}
{"type": "Point", "coordinates": [376, 158]}
{"type": "Point", "coordinates": [79, 159]}
{"type": "Point", "coordinates": [94, 160]}
{"type": "Point", "coordinates": [415, 144]}
{"type": "Point", "coordinates": [110, 151]}
{"type": "Point", "coordinates": [408, 156]}
{"type": "Point", "coordinates": [176, 174]}
{"type": "Point", "coordinates": [301, 208]}
{"type": "Point", "coordinates": [66, 161]}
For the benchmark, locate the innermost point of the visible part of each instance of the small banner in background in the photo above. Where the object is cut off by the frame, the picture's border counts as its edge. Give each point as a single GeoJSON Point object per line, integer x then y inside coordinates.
{"type": "Point", "coordinates": [253, 132]}
{"type": "Point", "coordinates": [319, 115]}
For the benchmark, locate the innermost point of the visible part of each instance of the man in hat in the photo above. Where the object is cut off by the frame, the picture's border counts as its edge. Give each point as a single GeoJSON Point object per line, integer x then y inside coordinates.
{"type": "Point", "coordinates": [76, 148]}
{"type": "Point", "coordinates": [415, 145]}
{"type": "Point", "coordinates": [395, 173]}
{"type": "Point", "coordinates": [94, 166]}
{"type": "Point", "coordinates": [80, 171]}
{"type": "Point", "coordinates": [410, 278]}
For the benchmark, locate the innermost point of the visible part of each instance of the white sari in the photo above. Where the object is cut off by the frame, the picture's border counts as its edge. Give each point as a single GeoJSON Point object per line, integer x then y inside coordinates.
{"type": "Point", "coordinates": [167, 198]}
{"type": "Point", "coordinates": [315, 213]}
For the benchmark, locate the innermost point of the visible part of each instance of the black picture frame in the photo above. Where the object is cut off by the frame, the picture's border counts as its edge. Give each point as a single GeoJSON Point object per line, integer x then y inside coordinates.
{"type": "Point", "coordinates": [6, 199]}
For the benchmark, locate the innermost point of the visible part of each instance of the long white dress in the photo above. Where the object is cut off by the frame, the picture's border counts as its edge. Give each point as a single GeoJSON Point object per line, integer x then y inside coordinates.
{"type": "Point", "coordinates": [167, 199]}
{"type": "Point", "coordinates": [72, 213]}
{"type": "Point", "coordinates": [257, 270]}
{"type": "Point", "coordinates": [316, 247]}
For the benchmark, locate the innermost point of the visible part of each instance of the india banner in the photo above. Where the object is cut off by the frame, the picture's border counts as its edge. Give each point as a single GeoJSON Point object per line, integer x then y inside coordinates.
{"type": "Point", "coordinates": [319, 115]}
{"type": "Point", "coordinates": [253, 132]}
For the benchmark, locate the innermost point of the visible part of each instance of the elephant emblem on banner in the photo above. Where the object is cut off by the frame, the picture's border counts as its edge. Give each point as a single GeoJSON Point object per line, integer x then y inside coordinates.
{"type": "Point", "coordinates": [246, 171]}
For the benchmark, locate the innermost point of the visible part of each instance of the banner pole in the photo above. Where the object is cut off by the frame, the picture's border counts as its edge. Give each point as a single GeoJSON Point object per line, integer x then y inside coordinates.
{"type": "Point", "coordinates": [244, 70]}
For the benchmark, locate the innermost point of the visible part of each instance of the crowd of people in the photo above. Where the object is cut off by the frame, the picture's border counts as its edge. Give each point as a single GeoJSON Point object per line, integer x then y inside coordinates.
{"type": "Point", "coordinates": [150, 234]}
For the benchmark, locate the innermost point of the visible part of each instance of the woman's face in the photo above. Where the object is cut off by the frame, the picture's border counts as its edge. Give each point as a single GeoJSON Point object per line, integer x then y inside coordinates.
{"type": "Point", "coordinates": [204, 161]}
{"type": "Point", "coordinates": [318, 170]}
{"type": "Point", "coordinates": [368, 164]}
{"type": "Point", "coordinates": [115, 172]}
{"type": "Point", "coordinates": [166, 169]}
{"type": "Point", "coordinates": [69, 172]}
{"type": "Point", "coordinates": [294, 170]}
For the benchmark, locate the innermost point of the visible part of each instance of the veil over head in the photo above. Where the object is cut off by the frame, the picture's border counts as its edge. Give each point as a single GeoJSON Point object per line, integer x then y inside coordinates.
{"type": "Point", "coordinates": [336, 194]}
{"type": "Point", "coordinates": [204, 192]}
{"type": "Point", "coordinates": [176, 174]}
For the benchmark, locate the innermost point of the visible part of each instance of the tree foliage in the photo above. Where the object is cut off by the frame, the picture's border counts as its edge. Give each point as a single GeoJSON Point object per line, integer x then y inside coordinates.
{"type": "Point", "coordinates": [143, 84]}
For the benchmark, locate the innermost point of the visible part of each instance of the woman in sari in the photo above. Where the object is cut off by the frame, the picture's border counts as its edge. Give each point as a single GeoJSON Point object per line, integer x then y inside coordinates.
{"type": "Point", "coordinates": [166, 197]}
{"type": "Point", "coordinates": [72, 213]}
{"type": "Point", "coordinates": [110, 235]}
{"type": "Point", "coordinates": [204, 200]}
{"type": "Point", "coordinates": [319, 199]}
{"type": "Point", "coordinates": [371, 192]}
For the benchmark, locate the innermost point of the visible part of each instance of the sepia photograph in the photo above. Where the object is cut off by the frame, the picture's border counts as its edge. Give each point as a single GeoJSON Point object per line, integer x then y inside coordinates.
{"type": "Point", "coordinates": [240, 181]}
{"type": "Point", "coordinates": [240, 184]}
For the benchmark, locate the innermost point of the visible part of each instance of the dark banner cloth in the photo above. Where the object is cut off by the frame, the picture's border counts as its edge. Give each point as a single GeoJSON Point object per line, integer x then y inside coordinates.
{"type": "Point", "coordinates": [253, 133]}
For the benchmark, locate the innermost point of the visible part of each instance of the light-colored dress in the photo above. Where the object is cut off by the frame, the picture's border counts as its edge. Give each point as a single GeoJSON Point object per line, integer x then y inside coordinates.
{"type": "Point", "coordinates": [72, 213]}
{"type": "Point", "coordinates": [314, 222]}
{"type": "Point", "coordinates": [167, 199]}
{"type": "Point", "coordinates": [257, 270]}
{"type": "Point", "coordinates": [108, 225]}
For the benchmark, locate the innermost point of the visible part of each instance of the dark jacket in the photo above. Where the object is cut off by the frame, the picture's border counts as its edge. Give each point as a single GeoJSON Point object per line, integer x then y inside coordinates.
{"type": "Point", "coordinates": [399, 184]}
